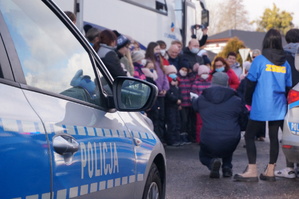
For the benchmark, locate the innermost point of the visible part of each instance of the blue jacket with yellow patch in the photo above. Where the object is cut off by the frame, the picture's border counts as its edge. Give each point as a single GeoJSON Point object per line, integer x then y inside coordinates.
{"type": "Point", "coordinates": [270, 74]}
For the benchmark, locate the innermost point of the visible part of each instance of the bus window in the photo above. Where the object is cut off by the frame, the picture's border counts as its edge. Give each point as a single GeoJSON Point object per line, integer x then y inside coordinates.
{"type": "Point", "coordinates": [155, 5]}
{"type": "Point", "coordinates": [161, 6]}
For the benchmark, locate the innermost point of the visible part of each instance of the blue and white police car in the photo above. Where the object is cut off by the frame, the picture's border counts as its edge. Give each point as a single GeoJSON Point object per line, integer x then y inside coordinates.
{"type": "Point", "coordinates": [67, 129]}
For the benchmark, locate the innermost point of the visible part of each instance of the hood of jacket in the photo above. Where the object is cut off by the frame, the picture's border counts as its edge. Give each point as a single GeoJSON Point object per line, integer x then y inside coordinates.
{"type": "Point", "coordinates": [291, 48]}
{"type": "Point", "coordinates": [218, 94]}
{"type": "Point", "coordinates": [275, 56]}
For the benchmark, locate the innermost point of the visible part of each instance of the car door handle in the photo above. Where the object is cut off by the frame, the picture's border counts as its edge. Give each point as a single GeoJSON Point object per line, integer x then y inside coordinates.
{"type": "Point", "coordinates": [137, 141]}
{"type": "Point", "coordinates": [65, 144]}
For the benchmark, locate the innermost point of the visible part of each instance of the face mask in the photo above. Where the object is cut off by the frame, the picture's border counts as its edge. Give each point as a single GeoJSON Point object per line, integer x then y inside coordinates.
{"type": "Point", "coordinates": [172, 76]}
{"type": "Point", "coordinates": [221, 69]}
{"type": "Point", "coordinates": [194, 50]}
{"type": "Point", "coordinates": [205, 76]}
{"type": "Point", "coordinates": [163, 52]}
{"type": "Point", "coordinates": [143, 62]}
{"type": "Point", "coordinates": [183, 73]}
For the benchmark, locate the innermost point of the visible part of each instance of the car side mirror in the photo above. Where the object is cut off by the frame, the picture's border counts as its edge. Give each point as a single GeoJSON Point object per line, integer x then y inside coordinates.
{"type": "Point", "coordinates": [131, 94]}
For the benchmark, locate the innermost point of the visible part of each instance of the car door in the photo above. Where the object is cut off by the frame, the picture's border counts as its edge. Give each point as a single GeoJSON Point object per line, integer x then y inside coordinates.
{"type": "Point", "coordinates": [91, 150]}
{"type": "Point", "coordinates": [24, 151]}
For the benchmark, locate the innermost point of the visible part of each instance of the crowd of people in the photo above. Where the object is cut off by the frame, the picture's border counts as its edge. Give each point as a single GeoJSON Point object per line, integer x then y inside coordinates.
{"type": "Point", "coordinates": [210, 102]}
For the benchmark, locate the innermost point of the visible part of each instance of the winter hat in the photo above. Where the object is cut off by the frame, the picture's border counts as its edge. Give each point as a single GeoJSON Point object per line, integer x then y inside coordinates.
{"type": "Point", "coordinates": [184, 64]}
{"type": "Point", "coordinates": [137, 56]}
{"type": "Point", "coordinates": [203, 69]}
{"type": "Point", "coordinates": [121, 40]}
{"type": "Point", "coordinates": [220, 79]}
{"type": "Point", "coordinates": [195, 67]}
{"type": "Point", "coordinates": [170, 69]}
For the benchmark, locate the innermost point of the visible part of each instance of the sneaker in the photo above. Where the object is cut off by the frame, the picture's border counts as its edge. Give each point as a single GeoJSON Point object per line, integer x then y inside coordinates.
{"type": "Point", "coordinates": [215, 166]}
{"type": "Point", "coordinates": [286, 173]}
{"type": "Point", "coordinates": [184, 138]}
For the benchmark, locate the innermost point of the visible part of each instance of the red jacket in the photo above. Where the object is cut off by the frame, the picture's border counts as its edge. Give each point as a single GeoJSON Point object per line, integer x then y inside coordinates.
{"type": "Point", "coordinates": [233, 80]}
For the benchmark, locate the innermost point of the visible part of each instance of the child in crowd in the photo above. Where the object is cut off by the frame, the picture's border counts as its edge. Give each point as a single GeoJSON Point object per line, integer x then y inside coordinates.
{"type": "Point", "coordinates": [172, 103]}
{"type": "Point", "coordinates": [151, 76]}
{"type": "Point", "coordinates": [188, 116]}
{"type": "Point", "coordinates": [137, 58]}
{"type": "Point", "coordinates": [149, 71]}
{"type": "Point", "coordinates": [202, 81]}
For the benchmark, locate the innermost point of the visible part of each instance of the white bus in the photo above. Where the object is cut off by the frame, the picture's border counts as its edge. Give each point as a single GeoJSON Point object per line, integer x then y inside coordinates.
{"type": "Point", "coordinates": [142, 20]}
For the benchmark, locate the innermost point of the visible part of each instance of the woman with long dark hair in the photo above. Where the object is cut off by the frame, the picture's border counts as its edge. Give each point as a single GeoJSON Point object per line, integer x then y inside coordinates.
{"type": "Point", "coordinates": [268, 80]}
{"type": "Point", "coordinates": [158, 116]}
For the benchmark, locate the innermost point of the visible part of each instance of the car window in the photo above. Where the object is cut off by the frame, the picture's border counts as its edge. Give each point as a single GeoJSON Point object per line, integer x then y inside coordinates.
{"type": "Point", "coordinates": [52, 59]}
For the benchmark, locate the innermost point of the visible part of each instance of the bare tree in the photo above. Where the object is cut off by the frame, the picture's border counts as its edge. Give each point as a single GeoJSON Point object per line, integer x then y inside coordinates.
{"type": "Point", "coordinates": [226, 15]}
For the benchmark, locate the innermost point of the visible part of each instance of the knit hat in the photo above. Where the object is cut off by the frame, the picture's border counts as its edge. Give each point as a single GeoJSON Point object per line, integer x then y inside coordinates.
{"type": "Point", "coordinates": [137, 56]}
{"type": "Point", "coordinates": [203, 69]}
{"type": "Point", "coordinates": [184, 64]}
{"type": "Point", "coordinates": [121, 40]}
{"type": "Point", "coordinates": [195, 67]}
{"type": "Point", "coordinates": [220, 79]}
{"type": "Point", "coordinates": [170, 69]}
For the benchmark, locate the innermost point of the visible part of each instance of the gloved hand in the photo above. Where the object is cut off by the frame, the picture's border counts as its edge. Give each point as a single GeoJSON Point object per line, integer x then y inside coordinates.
{"type": "Point", "coordinates": [193, 96]}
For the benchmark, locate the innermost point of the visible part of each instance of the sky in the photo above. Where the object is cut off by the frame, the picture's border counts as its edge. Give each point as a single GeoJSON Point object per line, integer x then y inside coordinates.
{"type": "Point", "coordinates": [256, 8]}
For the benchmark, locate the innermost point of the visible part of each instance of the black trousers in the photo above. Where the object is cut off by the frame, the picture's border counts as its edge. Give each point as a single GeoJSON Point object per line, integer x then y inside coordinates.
{"type": "Point", "coordinates": [173, 123]}
{"type": "Point", "coordinates": [254, 126]}
{"type": "Point", "coordinates": [188, 124]}
{"type": "Point", "coordinates": [157, 115]}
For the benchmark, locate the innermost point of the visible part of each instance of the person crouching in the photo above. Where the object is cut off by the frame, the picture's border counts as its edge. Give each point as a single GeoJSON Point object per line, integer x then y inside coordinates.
{"type": "Point", "coordinates": [220, 109]}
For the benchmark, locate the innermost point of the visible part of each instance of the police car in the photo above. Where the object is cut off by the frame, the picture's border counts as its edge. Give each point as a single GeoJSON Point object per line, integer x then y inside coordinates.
{"type": "Point", "coordinates": [290, 135]}
{"type": "Point", "coordinates": [67, 129]}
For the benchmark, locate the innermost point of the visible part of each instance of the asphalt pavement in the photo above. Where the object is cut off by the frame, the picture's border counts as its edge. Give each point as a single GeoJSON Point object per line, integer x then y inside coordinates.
{"type": "Point", "coordinates": [187, 178]}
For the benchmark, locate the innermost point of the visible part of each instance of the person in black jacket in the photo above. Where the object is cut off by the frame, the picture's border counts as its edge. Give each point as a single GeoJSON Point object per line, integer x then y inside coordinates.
{"type": "Point", "coordinates": [172, 105]}
{"type": "Point", "coordinates": [220, 109]}
{"type": "Point", "coordinates": [190, 54]}
{"type": "Point", "coordinates": [108, 55]}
